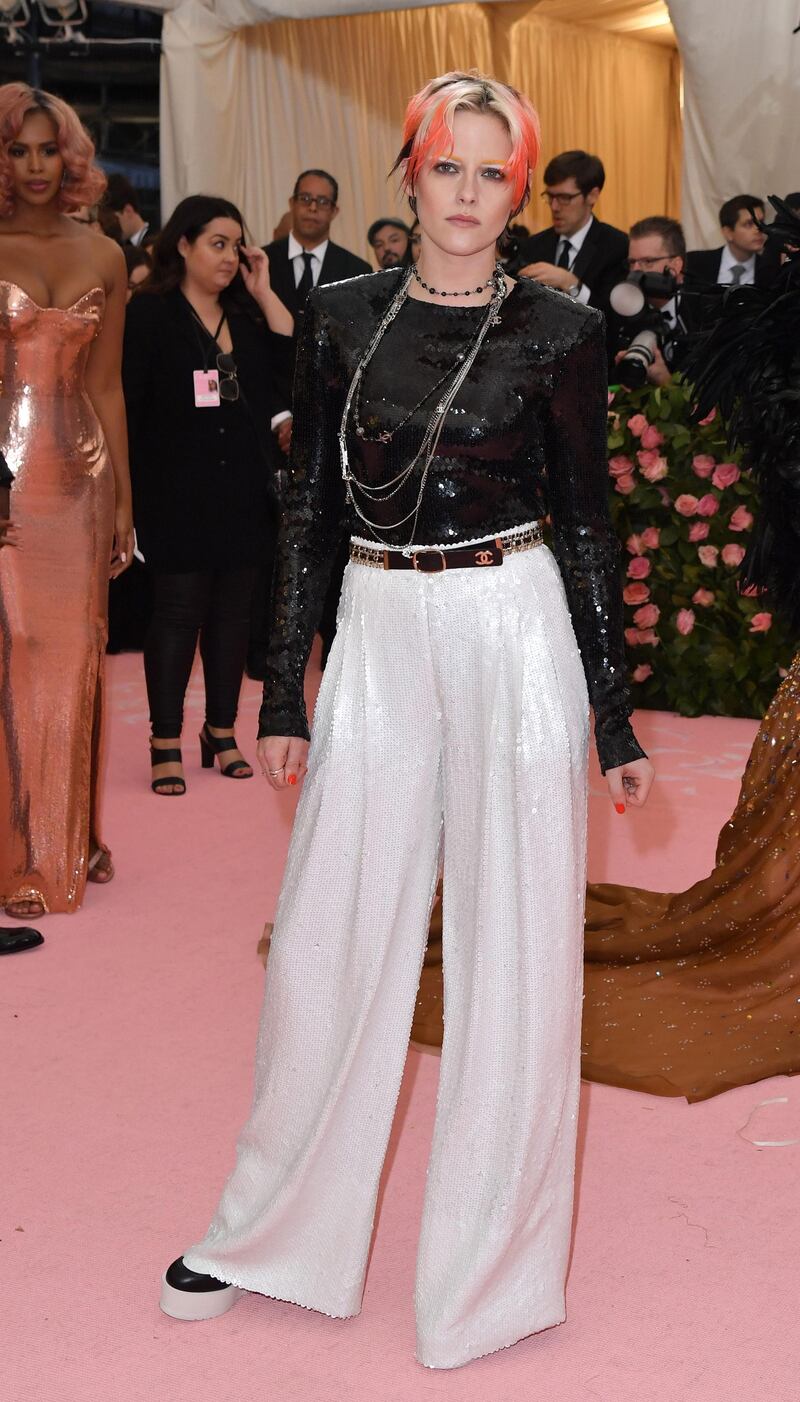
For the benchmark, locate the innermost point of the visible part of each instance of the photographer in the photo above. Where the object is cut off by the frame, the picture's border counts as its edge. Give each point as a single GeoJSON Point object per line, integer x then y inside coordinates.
{"type": "Point", "coordinates": [661, 328]}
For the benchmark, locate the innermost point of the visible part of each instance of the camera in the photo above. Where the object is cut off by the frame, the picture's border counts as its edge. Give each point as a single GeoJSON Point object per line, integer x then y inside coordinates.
{"type": "Point", "coordinates": [642, 321]}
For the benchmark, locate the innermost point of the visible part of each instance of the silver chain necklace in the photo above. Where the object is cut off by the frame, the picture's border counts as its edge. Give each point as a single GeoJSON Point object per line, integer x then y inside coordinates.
{"type": "Point", "coordinates": [430, 438]}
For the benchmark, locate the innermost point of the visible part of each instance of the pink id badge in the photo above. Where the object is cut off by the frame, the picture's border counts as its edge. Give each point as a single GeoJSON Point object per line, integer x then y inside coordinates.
{"type": "Point", "coordinates": [206, 389]}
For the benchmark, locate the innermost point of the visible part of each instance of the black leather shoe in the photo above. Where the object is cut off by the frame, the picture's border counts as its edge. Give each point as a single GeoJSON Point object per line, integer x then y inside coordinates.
{"type": "Point", "coordinates": [13, 941]}
{"type": "Point", "coordinates": [188, 1294]}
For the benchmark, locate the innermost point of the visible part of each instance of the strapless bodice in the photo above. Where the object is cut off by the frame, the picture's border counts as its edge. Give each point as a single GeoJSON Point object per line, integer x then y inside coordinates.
{"type": "Point", "coordinates": [43, 350]}
{"type": "Point", "coordinates": [49, 431]}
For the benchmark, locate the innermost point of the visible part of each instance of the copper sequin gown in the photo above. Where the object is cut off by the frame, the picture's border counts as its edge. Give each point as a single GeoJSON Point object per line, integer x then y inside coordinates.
{"type": "Point", "coordinates": [694, 993]}
{"type": "Point", "coordinates": [53, 599]}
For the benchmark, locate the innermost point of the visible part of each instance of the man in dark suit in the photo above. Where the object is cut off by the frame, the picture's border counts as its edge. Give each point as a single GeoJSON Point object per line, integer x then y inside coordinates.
{"type": "Point", "coordinates": [307, 257]}
{"type": "Point", "coordinates": [741, 261]}
{"type": "Point", "coordinates": [657, 245]}
{"type": "Point", "coordinates": [121, 197]}
{"type": "Point", "coordinates": [578, 254]}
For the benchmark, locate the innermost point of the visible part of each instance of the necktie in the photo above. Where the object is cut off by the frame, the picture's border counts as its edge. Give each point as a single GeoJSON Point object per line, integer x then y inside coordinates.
{"type": "Point", "coordinates": [564, 255]}
{"type": "Point", "coordinates": [306, 282]}
{"type": "Point", "coordinates": [737, 273]}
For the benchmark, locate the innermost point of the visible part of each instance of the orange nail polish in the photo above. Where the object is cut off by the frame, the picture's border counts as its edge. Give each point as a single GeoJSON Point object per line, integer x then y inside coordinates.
{"type": "Point", "coordinates": [620, 807]}
{"type": "Point", "coordinates": [291, 778]}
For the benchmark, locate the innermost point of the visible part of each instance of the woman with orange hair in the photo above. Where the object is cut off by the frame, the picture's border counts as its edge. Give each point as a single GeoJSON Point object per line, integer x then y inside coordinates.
{"type": "Point", "coordinates": [453, 717]}
{"type": "Point", "coordinates": [62, 430]}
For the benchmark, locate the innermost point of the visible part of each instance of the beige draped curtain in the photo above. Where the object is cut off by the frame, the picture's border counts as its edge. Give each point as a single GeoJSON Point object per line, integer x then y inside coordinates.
{"type": "Point", "coordinates": [244, 110]}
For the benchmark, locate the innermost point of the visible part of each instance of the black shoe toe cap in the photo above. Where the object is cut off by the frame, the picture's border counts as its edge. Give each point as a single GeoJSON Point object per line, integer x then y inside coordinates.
{"type": "Point", "coordinates": [180, 1277]}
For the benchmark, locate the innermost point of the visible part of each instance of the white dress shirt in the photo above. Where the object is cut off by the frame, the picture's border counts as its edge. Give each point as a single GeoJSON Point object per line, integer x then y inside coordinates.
{"type": "Point", "coordinates": [576, 242]}
{"type": "Point", "coordinates": [136, 239]}
{"type": "Point", "coordinates": [296, 252]}
{"type": "Point", "coordinates": [728, 263]}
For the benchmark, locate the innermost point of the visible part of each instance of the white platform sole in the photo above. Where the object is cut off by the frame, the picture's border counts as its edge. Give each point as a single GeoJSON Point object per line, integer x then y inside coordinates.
{"type": "Point", "coordinates": [197, 1304]}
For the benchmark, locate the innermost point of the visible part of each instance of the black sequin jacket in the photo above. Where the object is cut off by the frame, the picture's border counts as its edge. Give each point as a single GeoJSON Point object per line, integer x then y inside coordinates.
{"type": "Point", "coordinates": [525, 438]}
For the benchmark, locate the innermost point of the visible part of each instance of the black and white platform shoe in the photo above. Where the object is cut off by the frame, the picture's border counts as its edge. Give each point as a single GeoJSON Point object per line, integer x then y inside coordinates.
{"type": "Point", "coordinates": [186, 1294]}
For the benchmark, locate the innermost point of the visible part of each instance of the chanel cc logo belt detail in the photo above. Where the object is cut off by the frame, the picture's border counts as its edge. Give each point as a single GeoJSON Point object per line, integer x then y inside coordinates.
{"type": "Point", "coordinates": [435, 560]}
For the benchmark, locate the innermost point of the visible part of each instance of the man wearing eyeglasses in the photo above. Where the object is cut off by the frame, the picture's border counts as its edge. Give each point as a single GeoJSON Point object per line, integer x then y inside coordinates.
{"type": "Point", "coordinates": [657, 245]}
{"type": "Point", "coordinates": [577, 255]}
{"type": "Point", "coordinates": [307, 257]}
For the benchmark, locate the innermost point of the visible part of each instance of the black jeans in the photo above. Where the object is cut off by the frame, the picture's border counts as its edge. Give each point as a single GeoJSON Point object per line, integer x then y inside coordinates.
{"type": "Point", "coordinates": [217, 607]}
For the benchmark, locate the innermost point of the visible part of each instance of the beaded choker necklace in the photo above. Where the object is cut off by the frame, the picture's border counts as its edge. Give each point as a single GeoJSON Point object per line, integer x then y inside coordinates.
{"type": "Point", "coordinates": [471, 292]}
{"type": "Point", "coordinates": [430, 438]}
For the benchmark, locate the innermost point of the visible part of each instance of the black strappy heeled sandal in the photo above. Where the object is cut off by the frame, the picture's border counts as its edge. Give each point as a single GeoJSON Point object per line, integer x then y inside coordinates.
{"type": "Point", "coordinates": [213, 746]}
{"type": "Point", "coordinates": [167, 784]}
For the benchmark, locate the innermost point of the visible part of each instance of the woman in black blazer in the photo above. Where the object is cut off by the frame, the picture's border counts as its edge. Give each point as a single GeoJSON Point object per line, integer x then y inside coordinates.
{"type": "Point", "coordinates": [200, 342]}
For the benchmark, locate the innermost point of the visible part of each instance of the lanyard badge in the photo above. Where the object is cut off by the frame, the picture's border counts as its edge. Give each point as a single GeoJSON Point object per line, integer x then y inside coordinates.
{"type": "Point", "coordinates": [206, 382]}
{"type": "Point", "coordinates": [206, 389]}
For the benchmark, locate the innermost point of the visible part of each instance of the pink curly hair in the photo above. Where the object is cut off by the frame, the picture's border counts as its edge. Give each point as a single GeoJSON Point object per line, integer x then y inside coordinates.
{"type": "Point", "coordinates": [428, 126]}
{"type": "Point", "coordinates": [84, 182]}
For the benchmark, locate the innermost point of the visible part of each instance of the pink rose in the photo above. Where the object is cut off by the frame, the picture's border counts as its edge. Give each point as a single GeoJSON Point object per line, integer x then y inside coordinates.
{"type": "Point", "coordinates": [685, 622]}
{"type": "Point", "coordinates": [703, 464]}
{"type": "Point", "coordinates": [636, 593]}
{"type": "Point", "coordinates": [656, 470]}
{"type": "Point", "coordinates": [707, 555]}
{"type": "Point", "coordinates": [647, 616]}
{"type": "Point", "coordinates": [642, 672]}
{"type": "Point", "coordinates": [637, 423]}
{"type": "Point", "coordinates": [638, 567]}
{"type": "Point", "coordinates": [651, 437]}
{"type": "Point", "coordinates": [761, 623]}
{"type": "Point", "coordinates": [732, 554]}
{"type": "Point", "coordinates": [635, 545]}
{"type": "Point", "coordinates": [625, 485]}
{"type": "Point", "coordinates": [708, 505]}
{"type": "Point", "coordinates": [620, 466]}
{"type": "Point", "coordinates": [741, 520]}
{"type": "Point", "coordinates": [632, 637]}
{"type": "Point", "coordinates": [651, 538]}
{"type": "Point", "coordinates": [647, 458]}
{"type": "Point", "coordinates": [726, 474]}
{"type": "Point", "coordinates": [709, 419]}
{"type": "Point", "coordinates": [686, 504]}
{"type": "Point", "coordinates": [647, 637]}
{"type": "Point", "coordinates": [610, 397]}
{"type": "Point", "coordinates": [699, 530]}
{"type": "Point", "coordinates": [703, 597]}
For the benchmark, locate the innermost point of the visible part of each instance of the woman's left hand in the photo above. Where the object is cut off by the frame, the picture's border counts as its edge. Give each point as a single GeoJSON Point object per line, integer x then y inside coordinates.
{"type": "Point", "coordinates": [630, 784]}
{"type": "Point", "coordinates": [122, 549]}
{"type": "Point", "coordinates": [256, 277]}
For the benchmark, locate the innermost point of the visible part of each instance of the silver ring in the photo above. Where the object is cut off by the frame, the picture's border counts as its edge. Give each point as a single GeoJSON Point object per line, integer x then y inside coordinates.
{"type": "Point", "coordinates": [274, 772]}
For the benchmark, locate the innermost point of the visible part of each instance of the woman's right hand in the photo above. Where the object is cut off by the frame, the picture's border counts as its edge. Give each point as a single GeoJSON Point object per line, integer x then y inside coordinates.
{"type": "Point", "coordinates": [283, 759]}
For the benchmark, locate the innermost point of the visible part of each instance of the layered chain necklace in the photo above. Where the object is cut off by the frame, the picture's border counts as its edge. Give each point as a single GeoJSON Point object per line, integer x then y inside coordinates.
{"type": "Point", "coordinates": [456, 373]}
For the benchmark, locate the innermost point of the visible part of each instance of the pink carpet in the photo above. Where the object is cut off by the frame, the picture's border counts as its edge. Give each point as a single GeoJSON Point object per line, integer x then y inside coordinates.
{"type": "Point", "coordinates": [126, 1053]}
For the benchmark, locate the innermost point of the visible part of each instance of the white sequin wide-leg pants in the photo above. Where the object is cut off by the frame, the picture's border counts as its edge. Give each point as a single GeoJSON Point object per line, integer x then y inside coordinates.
{"type": "Point", "coordinates": [453, 706]}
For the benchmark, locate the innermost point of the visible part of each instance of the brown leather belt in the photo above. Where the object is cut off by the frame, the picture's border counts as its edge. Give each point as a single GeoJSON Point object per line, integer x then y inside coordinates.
{"type": "Point", "coordinates": [426, 560]}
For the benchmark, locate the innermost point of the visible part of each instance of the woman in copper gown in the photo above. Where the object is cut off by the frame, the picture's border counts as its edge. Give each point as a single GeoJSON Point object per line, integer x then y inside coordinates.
{"type": "Point", "coordinates": [696, 992]}
{"type": "Point", "coordinates": [62, 430]}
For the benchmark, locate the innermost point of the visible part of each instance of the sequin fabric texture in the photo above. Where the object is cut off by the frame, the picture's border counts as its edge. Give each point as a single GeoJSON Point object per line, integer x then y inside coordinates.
{"type": "Point", "coordinates": [525, 438]}
{"type": "Point", "coordinates": [53, 598]}
{"type": "Point", "coordinates": [452, 709]}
